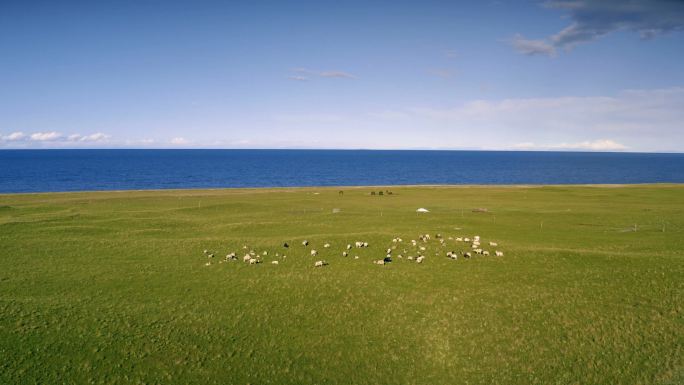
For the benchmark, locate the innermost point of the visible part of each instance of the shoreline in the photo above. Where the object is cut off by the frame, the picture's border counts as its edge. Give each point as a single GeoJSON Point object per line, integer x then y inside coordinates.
{"type": "Point", "coordinates": [303, 188]}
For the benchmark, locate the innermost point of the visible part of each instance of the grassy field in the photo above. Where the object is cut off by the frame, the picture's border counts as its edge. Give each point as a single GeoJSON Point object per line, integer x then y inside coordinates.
{"type": "Point", "coordinates": [113, 287]}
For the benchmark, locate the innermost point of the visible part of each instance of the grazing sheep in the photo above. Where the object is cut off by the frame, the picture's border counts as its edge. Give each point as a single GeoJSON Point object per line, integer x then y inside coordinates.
{"type": "Point", "coordinates": [207, 264]}
{"type": "Point", "coordinates": [305, 243]}
{"type": "Point", "coordinates": [467, 255]}
{"type": "Point", "coordinates": [285, 245]}
{"type": "Point", "coordinates": [326, 245]}
{"type": "Point", "coordinates": [358, 244]}
{"type": "Point", "coordinates": [476, 238]}
{"type": "Point", "coordinates": [422, 248]}
{"type": "Point", "coordinates": [253, 261]}
{"type": "Point", "coordinates": [320, 263]}
{"type": "Point", "coordinates": [410, 258]}
{"type": "Point", "coordinates": [349, 246]}
{"type": "Point", "coordinates": [206, 251]}
{"type": "Point", "coordinates": [344, 254]}
{"type": "Point", "coordinates": [466, 239]}
{"type": "Point", "coordinates": [400, 256]}
{"type": "Point", "coordinates": [274, 262]}
{"type": "Point", "coordinates": [493, 244]}
{"type": "Point", "coordinates": [485, 252]}
{"type": "Point", "coordinates": [365, 244]}
{"type": "Point", "coordinates": [379, 262]}
{"type": "Point", "coordinates": [389, 251]}
{"type": "Point", "coordinates": [264, 253]}
{"type": "Point", "coordinates": [473, 246]}
{"type": "Point", "coordinates": [394, 240]}
{"type": "Point", "coordinates": [478, 251]}
{"type": "Point", "coordinates": [498, 253]}
{"type": "Point", "coordinates": [246, 258]}
{"type": "Point", "coordinates": [230, 257]}
{"type": "Point", "coordinates": [459, 239]}
{"type": "Point", "coordinates": [314, 253]}
{"type": "Point", "coordinates": [356, 257]}
{"type": "Point", "coordinates": [420, 259]}
{"type": "Point", "coordinates": [211, 255]}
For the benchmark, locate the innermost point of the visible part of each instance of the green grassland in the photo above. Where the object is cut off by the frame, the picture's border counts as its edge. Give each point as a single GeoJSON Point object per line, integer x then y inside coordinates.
{"type": "Point", "coordinates": [112, 287]}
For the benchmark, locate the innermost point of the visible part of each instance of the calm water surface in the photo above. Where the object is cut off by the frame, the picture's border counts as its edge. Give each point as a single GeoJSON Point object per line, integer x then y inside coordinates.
{"type": "Point", "coordinates": [74, 170]}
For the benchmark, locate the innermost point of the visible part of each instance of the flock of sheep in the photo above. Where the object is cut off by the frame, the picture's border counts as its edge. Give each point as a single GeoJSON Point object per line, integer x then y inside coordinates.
{"type": "Point", "coordinates": [415, 252]}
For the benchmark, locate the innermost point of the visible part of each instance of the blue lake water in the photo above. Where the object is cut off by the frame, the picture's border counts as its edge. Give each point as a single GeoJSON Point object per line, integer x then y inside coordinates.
{"type": "Point", "coordinates": [75, 170]}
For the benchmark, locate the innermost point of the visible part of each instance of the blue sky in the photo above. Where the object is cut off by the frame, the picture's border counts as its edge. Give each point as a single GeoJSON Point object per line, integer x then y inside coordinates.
{"type": "Point", "coordinates": [564, 75]}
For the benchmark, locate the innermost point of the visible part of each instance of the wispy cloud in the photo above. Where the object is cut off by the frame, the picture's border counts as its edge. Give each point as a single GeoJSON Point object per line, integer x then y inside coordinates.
{"type": "Point", "coordinates": [51, 139]}
{"type": "Point", "coordinates": [15, 136]}
{"type": "Point", "coordinates": [178, 141]}
{"type": "Point", "coordinates": [444, 73]}
{"type": "Point", "coordinates": [305, 74]}
{"type": "Point", "coordinates": [45, 136]}
{"type": "Point", "coordinates": [532, 47]}
{"type": "Point", "coordinates": [594, 145]}
{"type": "Point", "coordinates": [593, 19]}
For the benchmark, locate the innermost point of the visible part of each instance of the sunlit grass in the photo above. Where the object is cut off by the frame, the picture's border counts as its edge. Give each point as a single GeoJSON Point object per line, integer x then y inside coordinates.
{"type": "Point", "coordinates": [112, 287]}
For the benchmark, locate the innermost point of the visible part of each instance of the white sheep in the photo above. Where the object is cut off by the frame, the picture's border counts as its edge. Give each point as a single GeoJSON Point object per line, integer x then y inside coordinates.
{"type": "Point", "coordinates": [459, 239]}
{"type": "Point", "coordinates": [326, 245]}
{"type": "Point", "coordinates": [344, 253]}
{"type": "Point", "coordinates": [314, 253]}
{"type": "Point", "coordinates": [467, 255]}
{"type": "Point", "coordinates": [410, 258]}
{"type": "Point", "coordinates": [389, 251]}
{"type": "Point", "coordinates": [485, 252]}
{"type": "Point", "coordinates": [207, 264]}
{"type": "Point", "coordinates": [274, 262]}
{"type": "Point", "coordinates": [420, 259]}
{"type": "Point", "coordinates": [365, 244]}
{"type": "Point", "coordinates": [498, 253]}
{"type": "Point", "coordinates": [305, 243]}
{"type": "Point", "coordinates": [246, 258]}
{"type": "Point", "coordinates": [379, 262]}
{"type": "Point", "coordinates": [466, 239]}
{"type": "Point", "coordinates": [320, 263]}
{"type": "Point", "coordinates": [264, 253]}
{"type": "Point", "coordinates": [356, 257]}
{"type": "Point", "coordinates": [478, 251]}
{"type": "Point", "coordinates": [349, 246]}
{"type": "Point", "coordinates": [494, 244]}
{"type": "Point", "coordinates": [253, 261]}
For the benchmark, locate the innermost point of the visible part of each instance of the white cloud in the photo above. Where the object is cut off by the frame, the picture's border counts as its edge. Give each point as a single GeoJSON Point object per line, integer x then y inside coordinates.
{"type": "Point", "coordinates": [45, 136]}
{"type": "Point", "coordinates": [96, 137]}
{"type": "Point", "coordinates": [595, 145]}
{"type": "Point", "coordinates": [179, 141]}
{"type": "Point", "coordinates": [641, 120]}
{"type": "Point", "coordinates": [15, 136]}
{"type": "Point", "coordinates": [298, 78]}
